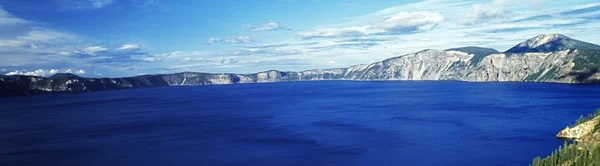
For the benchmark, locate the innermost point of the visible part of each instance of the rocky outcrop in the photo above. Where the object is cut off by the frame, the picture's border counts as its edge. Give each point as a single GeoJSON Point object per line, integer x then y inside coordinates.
{"type": "Point", "coordinates": [579, 131]}
{"type": "Point", "coordinates": [571, 62]}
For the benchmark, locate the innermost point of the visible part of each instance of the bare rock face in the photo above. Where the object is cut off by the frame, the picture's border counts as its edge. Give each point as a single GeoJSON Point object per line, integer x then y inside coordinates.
{"type": "Point", "coordinates": [545, 58]}
{"type": "Point", "coordinates": [550, 43]}
{"type": "Point", "coordinates": [579, 131]}
{"type": "Point", "coordinates": [536, 67]}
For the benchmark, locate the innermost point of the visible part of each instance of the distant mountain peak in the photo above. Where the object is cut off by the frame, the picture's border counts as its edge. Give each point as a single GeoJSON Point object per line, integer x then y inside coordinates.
{"type": "Point", "coordinates": [550, 43]}
{"type": "Point", "coordinates": [542, 39]}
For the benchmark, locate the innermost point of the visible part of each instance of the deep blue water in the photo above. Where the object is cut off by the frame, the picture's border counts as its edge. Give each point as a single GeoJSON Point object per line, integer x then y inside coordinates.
{"type": "Point", "coordinates": [298, 123]}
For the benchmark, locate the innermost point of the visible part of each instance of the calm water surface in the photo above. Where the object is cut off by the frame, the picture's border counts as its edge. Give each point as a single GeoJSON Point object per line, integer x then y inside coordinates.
{"type": "Point", "coordinates": [298, 123]}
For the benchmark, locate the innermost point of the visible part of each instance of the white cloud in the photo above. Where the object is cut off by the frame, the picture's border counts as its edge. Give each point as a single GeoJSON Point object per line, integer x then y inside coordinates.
{"type": "Point", "coordinates": [583, 6]}
{"type": "Point", "coordinates": [38, 37]}
{"type": "Point", "coordinates": [100, 3]}
{"type": "Point", "coordinates": [372, 37]}
{"type": "Point", "coordinates": [38, 72]}
{"type": "Point", "coordinates": [18, 32]}
{"type": "Point", "coordinates": [177, 56]}
{"type": "Point", "coordinates": [151, 59]}
{"type": "Point", "coordinates": [340, 32]}
{"type": "Point", "coordinates": [68, 71]}
{"type": "Point", "coordinates": [129, 47]}
{"type": "Point", "coordinates": [53, 71]}
{"type": "Point", "coordinates": [532, 3]}
{"type": "Point", "coordinates": [483, 13]}
{"type": "Point", "coordinates": [174, 54]}
{"type": "Point", "coordinates": [421, 20]}
{"type": "Point", "coordinates": [36, 46]}
{"type": "Point", "coordinates": [230, 39]}
{"type": "Point", "coordinates": [83, 4]}
{"type": "Point", "coordinates": [45, 35]}
{"type": "Point", "coordinates": [499, 10]}
{"type": "Point", "coordinates": [6, 19]}
{"type": "Point", "coordinates": [80, 71]}
{"type": "Point", "coordinates": [64, 53]}
{"type": "Point", "coordinates": [94, 50]}
{"type": "Point", "coordinates": [270, 26]}
{"type": "Point", "coordinates": [400, 22]}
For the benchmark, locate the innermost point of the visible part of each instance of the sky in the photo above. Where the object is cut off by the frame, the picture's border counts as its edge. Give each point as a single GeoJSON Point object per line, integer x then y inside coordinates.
{"type": "Point", "coordinates": [115, 38]}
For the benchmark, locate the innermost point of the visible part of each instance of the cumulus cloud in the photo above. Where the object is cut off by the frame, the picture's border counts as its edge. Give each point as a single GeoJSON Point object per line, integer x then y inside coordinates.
{"type": "Point", "coordinates": [94, 50]}
{"type": "Point", "coordinates": [401, 22]}
{"type": "Point", "coordinates": [270, 26]}
{"type": "Point", "coordinates": [230, 39]}
{"type": "Point", "coordinates": [129, 47]}
{"type": "Point", "coordinates": [80, 71]}
{"type": "Point", "coordinates": [38, 72]}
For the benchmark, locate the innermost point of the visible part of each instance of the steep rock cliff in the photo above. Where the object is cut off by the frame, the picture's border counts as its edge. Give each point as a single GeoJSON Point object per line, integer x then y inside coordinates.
{"type": "Point", "coordinates": [571, 62]}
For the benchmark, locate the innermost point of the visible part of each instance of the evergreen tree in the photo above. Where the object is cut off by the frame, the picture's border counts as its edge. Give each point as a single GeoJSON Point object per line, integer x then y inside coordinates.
{"type": "Point", "coordinates": [574, 154]}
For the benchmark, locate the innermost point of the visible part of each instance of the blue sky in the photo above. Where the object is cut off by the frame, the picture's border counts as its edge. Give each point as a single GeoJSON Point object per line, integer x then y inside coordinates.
{"type": "Point", "coordinates": [109, 38]}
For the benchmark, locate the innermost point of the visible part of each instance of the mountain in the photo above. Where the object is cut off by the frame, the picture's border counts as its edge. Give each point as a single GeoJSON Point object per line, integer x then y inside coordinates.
{"type": "Point", "coordinates": [569, 64]}
{"type": "Point", "coordinates": [551, 43]}
{"type": "Point", "coordinates": [64, 75]}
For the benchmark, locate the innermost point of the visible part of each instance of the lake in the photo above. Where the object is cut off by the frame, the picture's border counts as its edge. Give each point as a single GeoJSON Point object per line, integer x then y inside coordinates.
{"type": "Point", "coordinates": [295, 123]}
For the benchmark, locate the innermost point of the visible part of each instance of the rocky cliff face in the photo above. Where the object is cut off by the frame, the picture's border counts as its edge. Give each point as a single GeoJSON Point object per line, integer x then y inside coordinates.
{"type": "Point", "coordinates": [565, 63]}
{"type": "Point", "coordinates": [579, 131]}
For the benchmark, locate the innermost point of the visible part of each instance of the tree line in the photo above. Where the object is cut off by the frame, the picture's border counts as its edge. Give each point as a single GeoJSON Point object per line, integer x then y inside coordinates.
{"type": "Point", "coordinates": [574, 154]}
